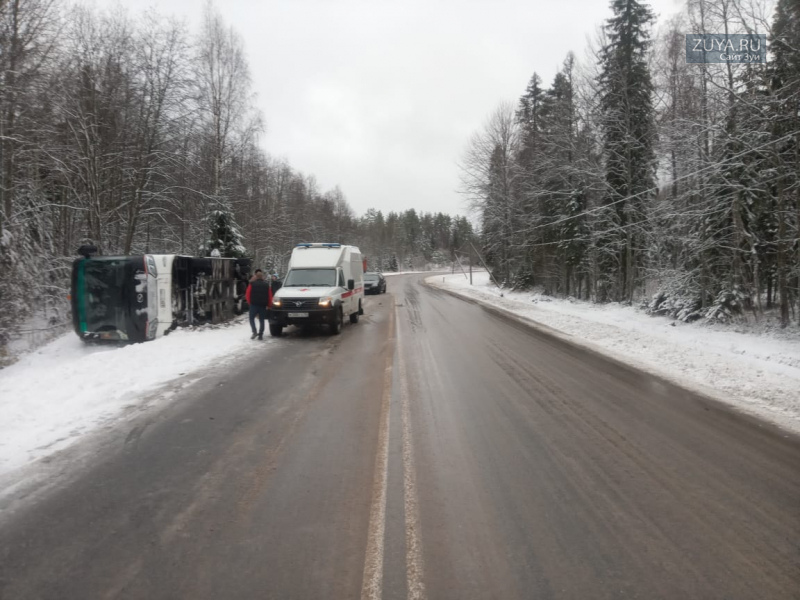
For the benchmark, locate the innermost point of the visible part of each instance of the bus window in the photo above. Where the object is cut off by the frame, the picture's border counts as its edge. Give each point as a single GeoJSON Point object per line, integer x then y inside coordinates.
{"type": "Point", "coordinates": [104, 298]}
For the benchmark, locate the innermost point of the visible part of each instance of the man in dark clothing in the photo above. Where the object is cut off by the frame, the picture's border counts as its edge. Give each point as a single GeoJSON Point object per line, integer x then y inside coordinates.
{"type": "Point", "coordinates": [259, 297]}
{"type": "Point", "coordinates": [275, 284]}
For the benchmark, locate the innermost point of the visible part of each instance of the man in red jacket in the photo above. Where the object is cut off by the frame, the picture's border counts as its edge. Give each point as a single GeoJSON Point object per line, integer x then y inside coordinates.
{"type": "Point", "coordinates": [259, 297]}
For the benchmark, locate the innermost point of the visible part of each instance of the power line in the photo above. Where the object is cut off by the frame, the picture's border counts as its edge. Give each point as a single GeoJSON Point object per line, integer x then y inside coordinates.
{"type": "Point", "coordinates": [589, 234]}
{"type": "Point", "coordinates": [666, 184]}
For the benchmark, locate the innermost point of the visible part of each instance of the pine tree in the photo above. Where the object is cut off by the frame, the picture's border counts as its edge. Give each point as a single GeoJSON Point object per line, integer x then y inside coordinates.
{"type": "Point", "coordinates": [223, 235]}
{"type": "Point", "coordinates": [785, 118]}
{"type": "Point", "coordinates": [629, 135]}
{"type": "Point", "coordinates": [529, 118]}
{"type": "Point", "coordinates": [565, 185]}
{"type": "Point", "coordinates": [530, 185]}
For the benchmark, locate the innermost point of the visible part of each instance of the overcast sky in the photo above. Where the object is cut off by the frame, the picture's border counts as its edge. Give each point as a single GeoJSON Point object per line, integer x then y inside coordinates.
{"type": "Point", "coordinates": [380, 97]}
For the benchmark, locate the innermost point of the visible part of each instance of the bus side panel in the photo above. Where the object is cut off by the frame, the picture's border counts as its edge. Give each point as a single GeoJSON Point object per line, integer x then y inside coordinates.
{"type": "Point", "coordinates": [222, 290]}
{"type": "Point", "coordinates": [242, 277]}
{"type": "Point", "coordinates": [182, 290]}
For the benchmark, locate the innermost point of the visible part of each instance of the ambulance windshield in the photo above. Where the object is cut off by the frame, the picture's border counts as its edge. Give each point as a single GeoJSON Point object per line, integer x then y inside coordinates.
{"type": "Point", "coordinates": [310, 278]}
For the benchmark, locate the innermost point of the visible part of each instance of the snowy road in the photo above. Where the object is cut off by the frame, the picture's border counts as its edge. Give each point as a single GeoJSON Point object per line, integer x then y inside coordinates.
{"type": "Point", "coordinates": [433, 450]}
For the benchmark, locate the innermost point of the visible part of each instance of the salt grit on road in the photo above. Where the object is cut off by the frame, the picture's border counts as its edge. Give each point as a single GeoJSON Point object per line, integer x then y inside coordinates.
{"type": "Point", "coordinates": [758, 372]}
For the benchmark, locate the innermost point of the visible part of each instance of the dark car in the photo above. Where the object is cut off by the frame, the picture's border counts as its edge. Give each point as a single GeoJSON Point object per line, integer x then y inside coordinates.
{"type": "Point", "coordinates": [374, 283]}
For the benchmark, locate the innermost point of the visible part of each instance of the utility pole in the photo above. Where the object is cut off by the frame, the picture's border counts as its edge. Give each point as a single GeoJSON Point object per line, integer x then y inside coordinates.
{"type": "Point", "coordinates": [461, 266]}
{"type": "Point", "coordinates": [485, 266]}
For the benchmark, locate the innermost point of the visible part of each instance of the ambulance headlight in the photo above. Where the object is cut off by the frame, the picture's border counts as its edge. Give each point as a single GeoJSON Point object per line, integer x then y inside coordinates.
{"type": "Point", "coordinates": [325, 301]}
{"type": "Point", "coordinates": [276, 302]}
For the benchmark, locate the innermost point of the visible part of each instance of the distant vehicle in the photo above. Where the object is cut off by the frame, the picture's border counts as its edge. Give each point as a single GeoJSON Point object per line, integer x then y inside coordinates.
{"type": "Point", "coordinates": [324, 283]}
{"type": "Point", "coordinates": [139, 298]}
{"type": "Point", "coordinates": [374, 283]}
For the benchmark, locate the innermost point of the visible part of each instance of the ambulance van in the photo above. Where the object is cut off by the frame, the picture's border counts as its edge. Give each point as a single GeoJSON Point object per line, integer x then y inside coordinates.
{"type": "Point", "coordinates": [324, 284]}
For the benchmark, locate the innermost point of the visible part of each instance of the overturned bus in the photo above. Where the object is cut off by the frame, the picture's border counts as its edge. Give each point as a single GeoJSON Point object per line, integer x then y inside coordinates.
{"type": "Point", "coordinates": [139, 298]}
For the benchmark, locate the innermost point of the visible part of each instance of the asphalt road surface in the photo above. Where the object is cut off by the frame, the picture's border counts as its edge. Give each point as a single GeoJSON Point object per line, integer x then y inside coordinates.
{"type": "Point", "coordinates": [436, 449]}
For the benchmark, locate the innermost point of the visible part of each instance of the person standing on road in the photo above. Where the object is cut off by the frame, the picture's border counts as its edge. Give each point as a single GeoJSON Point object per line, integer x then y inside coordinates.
{"type": "Point", "coordinates": [259, 297]}
{"type": "Point", "coordinates": [275, 283]}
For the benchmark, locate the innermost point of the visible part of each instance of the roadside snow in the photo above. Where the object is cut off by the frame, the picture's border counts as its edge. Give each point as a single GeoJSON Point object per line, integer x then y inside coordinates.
{"type": "Point", "coordinates": [390, 273]}
{"type": "Point", "coordinates": [36, 331]}
{"type": "Point", "coordinates": [756, 372]}
{"type": "Point", "coordinates": [52, 397]}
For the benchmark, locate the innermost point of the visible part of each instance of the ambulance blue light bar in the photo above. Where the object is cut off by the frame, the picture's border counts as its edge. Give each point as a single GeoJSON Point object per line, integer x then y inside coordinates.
{"type": "Point", "coordinates": [319, 245]}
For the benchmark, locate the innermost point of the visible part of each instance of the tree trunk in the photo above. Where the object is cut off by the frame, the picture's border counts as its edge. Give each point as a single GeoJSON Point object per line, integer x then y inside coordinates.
{"type": "Point", "coordinates": [133, 220]}
{"type": "Point", "coordinates": [9, 113]}
{"type": "Point", "coordinates": [783, 288]}
{"type": "Point", "coordinates": [736, 269]}
{"type": "Point", "coordinates": [769, 291]}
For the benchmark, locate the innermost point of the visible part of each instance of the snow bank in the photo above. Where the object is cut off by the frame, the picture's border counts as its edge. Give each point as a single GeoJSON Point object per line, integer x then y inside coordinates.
{"type": "Point", "coordinates": [756, 372]}
{"type": "Point", "coordinates": [391, 273]}
{"type": "Point", "coordinates": [65, 389]}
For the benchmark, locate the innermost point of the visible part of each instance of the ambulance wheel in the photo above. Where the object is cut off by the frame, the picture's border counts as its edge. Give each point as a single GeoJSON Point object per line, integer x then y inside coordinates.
{"type": "Point", "coordinates": [336, 326]}
{"type": "Point", "coordinates": [275, 330]}
{"type": "Point", "coordinates": [354, 317]}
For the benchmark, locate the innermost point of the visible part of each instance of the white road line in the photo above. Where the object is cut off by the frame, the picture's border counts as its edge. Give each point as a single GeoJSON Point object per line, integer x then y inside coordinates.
{"type": "Point", "coordinates": [414, 562]}
{"type": "Point", "coordinates": [372, 584]}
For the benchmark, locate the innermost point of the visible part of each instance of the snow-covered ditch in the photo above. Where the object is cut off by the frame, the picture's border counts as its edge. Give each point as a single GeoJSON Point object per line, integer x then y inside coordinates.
{"type": "Point", "coordinates": [756, 371]}
{"type": "Point", "coordinates": [53, 396]}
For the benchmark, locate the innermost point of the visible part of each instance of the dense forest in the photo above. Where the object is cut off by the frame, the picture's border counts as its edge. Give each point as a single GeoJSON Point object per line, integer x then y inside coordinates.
{"type": "Point", "coordinates": [639, 178]}
{"type": "Point", "coordinates": [136, 134]}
